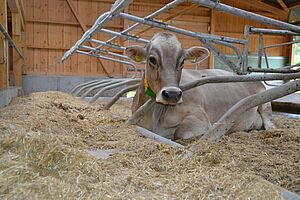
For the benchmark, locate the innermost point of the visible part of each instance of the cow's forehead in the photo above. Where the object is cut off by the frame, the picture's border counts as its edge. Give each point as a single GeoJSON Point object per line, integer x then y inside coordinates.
{"type": "Point", "coordinates": [167, 44]}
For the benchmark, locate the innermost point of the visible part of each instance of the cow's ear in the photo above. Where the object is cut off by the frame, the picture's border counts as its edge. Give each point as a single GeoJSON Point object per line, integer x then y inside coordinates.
{"type": "Point", "coordinates": [196, 54]}
{"type": "Point", "coordinates": [136, 53]}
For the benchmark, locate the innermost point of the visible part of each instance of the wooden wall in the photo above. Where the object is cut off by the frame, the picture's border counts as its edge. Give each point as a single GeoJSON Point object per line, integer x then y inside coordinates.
{"type": "Point", "coordinates": [52, 28]}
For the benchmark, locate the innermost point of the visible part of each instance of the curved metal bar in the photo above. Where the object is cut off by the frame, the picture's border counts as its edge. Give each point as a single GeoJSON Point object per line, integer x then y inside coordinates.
{"type": "Point", "coordinates": [98, 94]}
{"type": "Point", "coordinates": [111, 59]}
{"type": "Point", "coordinates": [119, 95]}
{"type": "Point", "coordinates": [83, 84]}
{"type": "Point", "coordinates": [234, 48]}
{"type": "Point", "coordinates": [99, 86]}
{"type": "Point", "coordinates": [221, 56]}
{"type": "Point", "coordinates": [89, 85]}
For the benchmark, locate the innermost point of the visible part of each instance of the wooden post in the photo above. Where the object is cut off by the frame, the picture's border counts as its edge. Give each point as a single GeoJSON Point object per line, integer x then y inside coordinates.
{"type": "Point", "coordinates": [292, 52]}
{"type": "Point", "coordinates": [3, 51]}
{"type": "Point", "coordinates": [17, 60]}
{"type": "Point", "coordinates": [212, 31]}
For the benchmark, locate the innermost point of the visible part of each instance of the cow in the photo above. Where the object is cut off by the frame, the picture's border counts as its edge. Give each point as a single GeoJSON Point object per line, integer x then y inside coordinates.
{"type": "Point", "coordinates": [184, 115]}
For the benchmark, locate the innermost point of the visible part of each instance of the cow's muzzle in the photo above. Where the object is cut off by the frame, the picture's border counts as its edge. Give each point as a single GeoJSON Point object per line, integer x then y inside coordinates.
{"type": "Point", "coordinates": [169, 96]}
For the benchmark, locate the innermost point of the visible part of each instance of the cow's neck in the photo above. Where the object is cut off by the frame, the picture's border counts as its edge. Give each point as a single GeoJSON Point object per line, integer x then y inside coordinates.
{"type": "Point", "coordinates": [140, 97]}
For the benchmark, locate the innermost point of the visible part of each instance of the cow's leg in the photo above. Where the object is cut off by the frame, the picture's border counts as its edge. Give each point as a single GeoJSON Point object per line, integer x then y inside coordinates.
{"type": "Point", "coordinates": [192, 126]}
{"type": "Point", "coordinates": [250, 120]}
{"type": "Point", "coordinates": [265, 112]}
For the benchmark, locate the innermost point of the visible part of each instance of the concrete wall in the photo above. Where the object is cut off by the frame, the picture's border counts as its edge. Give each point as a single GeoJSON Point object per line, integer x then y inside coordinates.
{"type": "Point", "coordinates": [274, 62]}
{"type": "Point", "coordinates": [42, 83]}
{"type": "Point", "coordinates": [7, 95]}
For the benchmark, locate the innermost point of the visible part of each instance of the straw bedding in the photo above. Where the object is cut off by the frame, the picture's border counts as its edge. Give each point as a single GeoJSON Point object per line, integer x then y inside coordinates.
{"type": "Point", "coordinates": [53, 145]}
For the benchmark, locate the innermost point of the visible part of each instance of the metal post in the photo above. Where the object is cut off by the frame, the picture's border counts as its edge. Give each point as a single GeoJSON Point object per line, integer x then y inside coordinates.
{"type": "Point", "coordinates": [221, 56]}
{"type": "Point", "coordinates": [260, 49]}
{"type": "Point", "coordinates": [246, 48]}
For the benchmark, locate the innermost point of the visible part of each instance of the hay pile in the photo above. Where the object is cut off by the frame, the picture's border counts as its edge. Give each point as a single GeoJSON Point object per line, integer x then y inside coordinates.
{"type": "Point", "coordinates": [45, 139]}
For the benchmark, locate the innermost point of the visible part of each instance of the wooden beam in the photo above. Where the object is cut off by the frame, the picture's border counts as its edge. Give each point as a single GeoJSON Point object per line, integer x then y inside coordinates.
{"type": "Point", "coordinates": [294, 5]}
{"type": "Point", "coordinates": [15, 7]}
{"type": "Point", "coordinates": [17, 60]}
{"type": "Point", "coordinates": [265, 7]}
{"type": "Point", "coordinates": [212, 31]}
{"type": "Point", "coordinates": [30, 20]}
{"type": "Point", "coordinates": [3, 63]}
{"type": "Point", "coordinates": [283, 5]}
{"type": "Point", "coordinates": [292, 53]}
{"type": "Point", "coordinates": [84, 28]}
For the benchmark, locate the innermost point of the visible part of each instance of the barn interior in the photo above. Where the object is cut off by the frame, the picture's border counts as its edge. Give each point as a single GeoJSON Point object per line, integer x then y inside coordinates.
{"type": "Point", "coordinates": [55, 145]}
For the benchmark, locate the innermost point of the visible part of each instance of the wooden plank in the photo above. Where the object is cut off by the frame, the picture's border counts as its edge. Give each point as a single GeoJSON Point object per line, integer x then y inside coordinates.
{"type": "Point", "coordinates": [3, 64]}
{"type": "Point", "coordinates": [264, 6]}
{"type": "Point", "coordinates": [283, 5]}
{"type": "Point", "coordinates": [49, 21]}
{"type": "Point", "coordinates": [17, 60]}
{"type": "Point", "coordinates": [84, 28]}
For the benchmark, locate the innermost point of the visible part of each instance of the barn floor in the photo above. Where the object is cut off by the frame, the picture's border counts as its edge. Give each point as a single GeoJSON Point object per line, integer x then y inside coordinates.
{"type": "Point", "coordinates": [49, 143]}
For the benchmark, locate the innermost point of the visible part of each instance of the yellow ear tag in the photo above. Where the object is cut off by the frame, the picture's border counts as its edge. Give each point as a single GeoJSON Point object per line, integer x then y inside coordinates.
{"type": "Point", "coordinates": [193, 59]}
{"type": "Point", "coordinates": [138, 58]}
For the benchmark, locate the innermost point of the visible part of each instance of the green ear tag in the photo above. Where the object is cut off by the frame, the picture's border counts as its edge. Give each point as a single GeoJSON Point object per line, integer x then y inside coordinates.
{"type": "Point", "coordinates": [150, 92]}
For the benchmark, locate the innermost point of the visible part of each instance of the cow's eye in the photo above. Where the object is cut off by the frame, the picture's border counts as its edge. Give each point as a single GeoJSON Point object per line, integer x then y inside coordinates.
{"type": "Point", "coordinates": [152, 60]}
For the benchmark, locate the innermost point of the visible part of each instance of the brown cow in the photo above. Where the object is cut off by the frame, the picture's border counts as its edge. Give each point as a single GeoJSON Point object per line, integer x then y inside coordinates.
{"type": "Point", "coordinates": [192, 113]}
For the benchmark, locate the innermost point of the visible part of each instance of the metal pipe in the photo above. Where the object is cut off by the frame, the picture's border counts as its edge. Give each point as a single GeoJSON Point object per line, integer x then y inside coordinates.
{"type": "Point", "coordinates": [221, 56]}
{"type": "Point", "coordinates": [234, 48]}
{"type": "Point", "coordinates": [111, 59]}
{"type": "Point", "coordinates": [246, 48]}
{"type": "Point", "coordinates": [266, 57]}
{"type": "Point", "coordinates": [134, 26]}
{"type": "Point", "coordinates": [250, 69]}
{"type": "Point", "coordinates": [120, 94]}
{"type": "Point", "coordinates": [104, 52]}
{"type": "Point", "coordinates": [111, 45]}
{"type": "Point", "coordinates": [10, 41]}
{"type": "Point", "coordinates": [246, 14]}
{"type": "Point", "coordinates": [158, 24]}
{"type": "Point", "coordinates": [99, 93]}
{"type": "Point", "coordinates": [100, 22]}
{"type": "Point", "coordinates": [90, 85]}
{"type": "Point", "coordinates": [272, 31]}
{"type": "Point", "coordinates": [282, 44]}
{"type": "Point", "coordinates": [154, 136]}
{"type": "Point", "coordinates": [123, 35]}
{"type": "Point", "coordinates": [105, 57]}
{"type": "Point", "coordinates": [276, 45]}
{"type": "Point", "coordinates": [225, 123]}
{"type": "Point", "coordinates": [100, 85]}
{"type": "Point", "coordinates": [238, 78]}
{"type": "Point", "coordinates": [83, 84]}
{"type": "Point", "coordinates": [260, 49]}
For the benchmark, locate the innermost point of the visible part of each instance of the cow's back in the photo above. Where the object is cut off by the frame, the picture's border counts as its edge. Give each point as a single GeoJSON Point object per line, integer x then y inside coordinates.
{"type": "Point", "coordinates": [216, 98]}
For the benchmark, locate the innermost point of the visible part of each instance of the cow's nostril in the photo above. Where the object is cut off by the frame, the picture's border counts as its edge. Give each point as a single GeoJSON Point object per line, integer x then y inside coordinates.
{"type": "Point", "coordinates": [179, 94]}
{"type": "Point", "coordinates": [165, 94]}
{"type": "Point", "coordinates": [173, 95]}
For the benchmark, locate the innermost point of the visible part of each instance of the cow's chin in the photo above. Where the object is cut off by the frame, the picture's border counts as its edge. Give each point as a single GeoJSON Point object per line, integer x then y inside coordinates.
{"type": "Point", "coordinates": [169, 102]}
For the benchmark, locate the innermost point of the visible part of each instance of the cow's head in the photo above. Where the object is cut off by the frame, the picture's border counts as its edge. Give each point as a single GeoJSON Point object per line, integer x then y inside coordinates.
{"type": "Point", "coordinates": [164, 62]}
